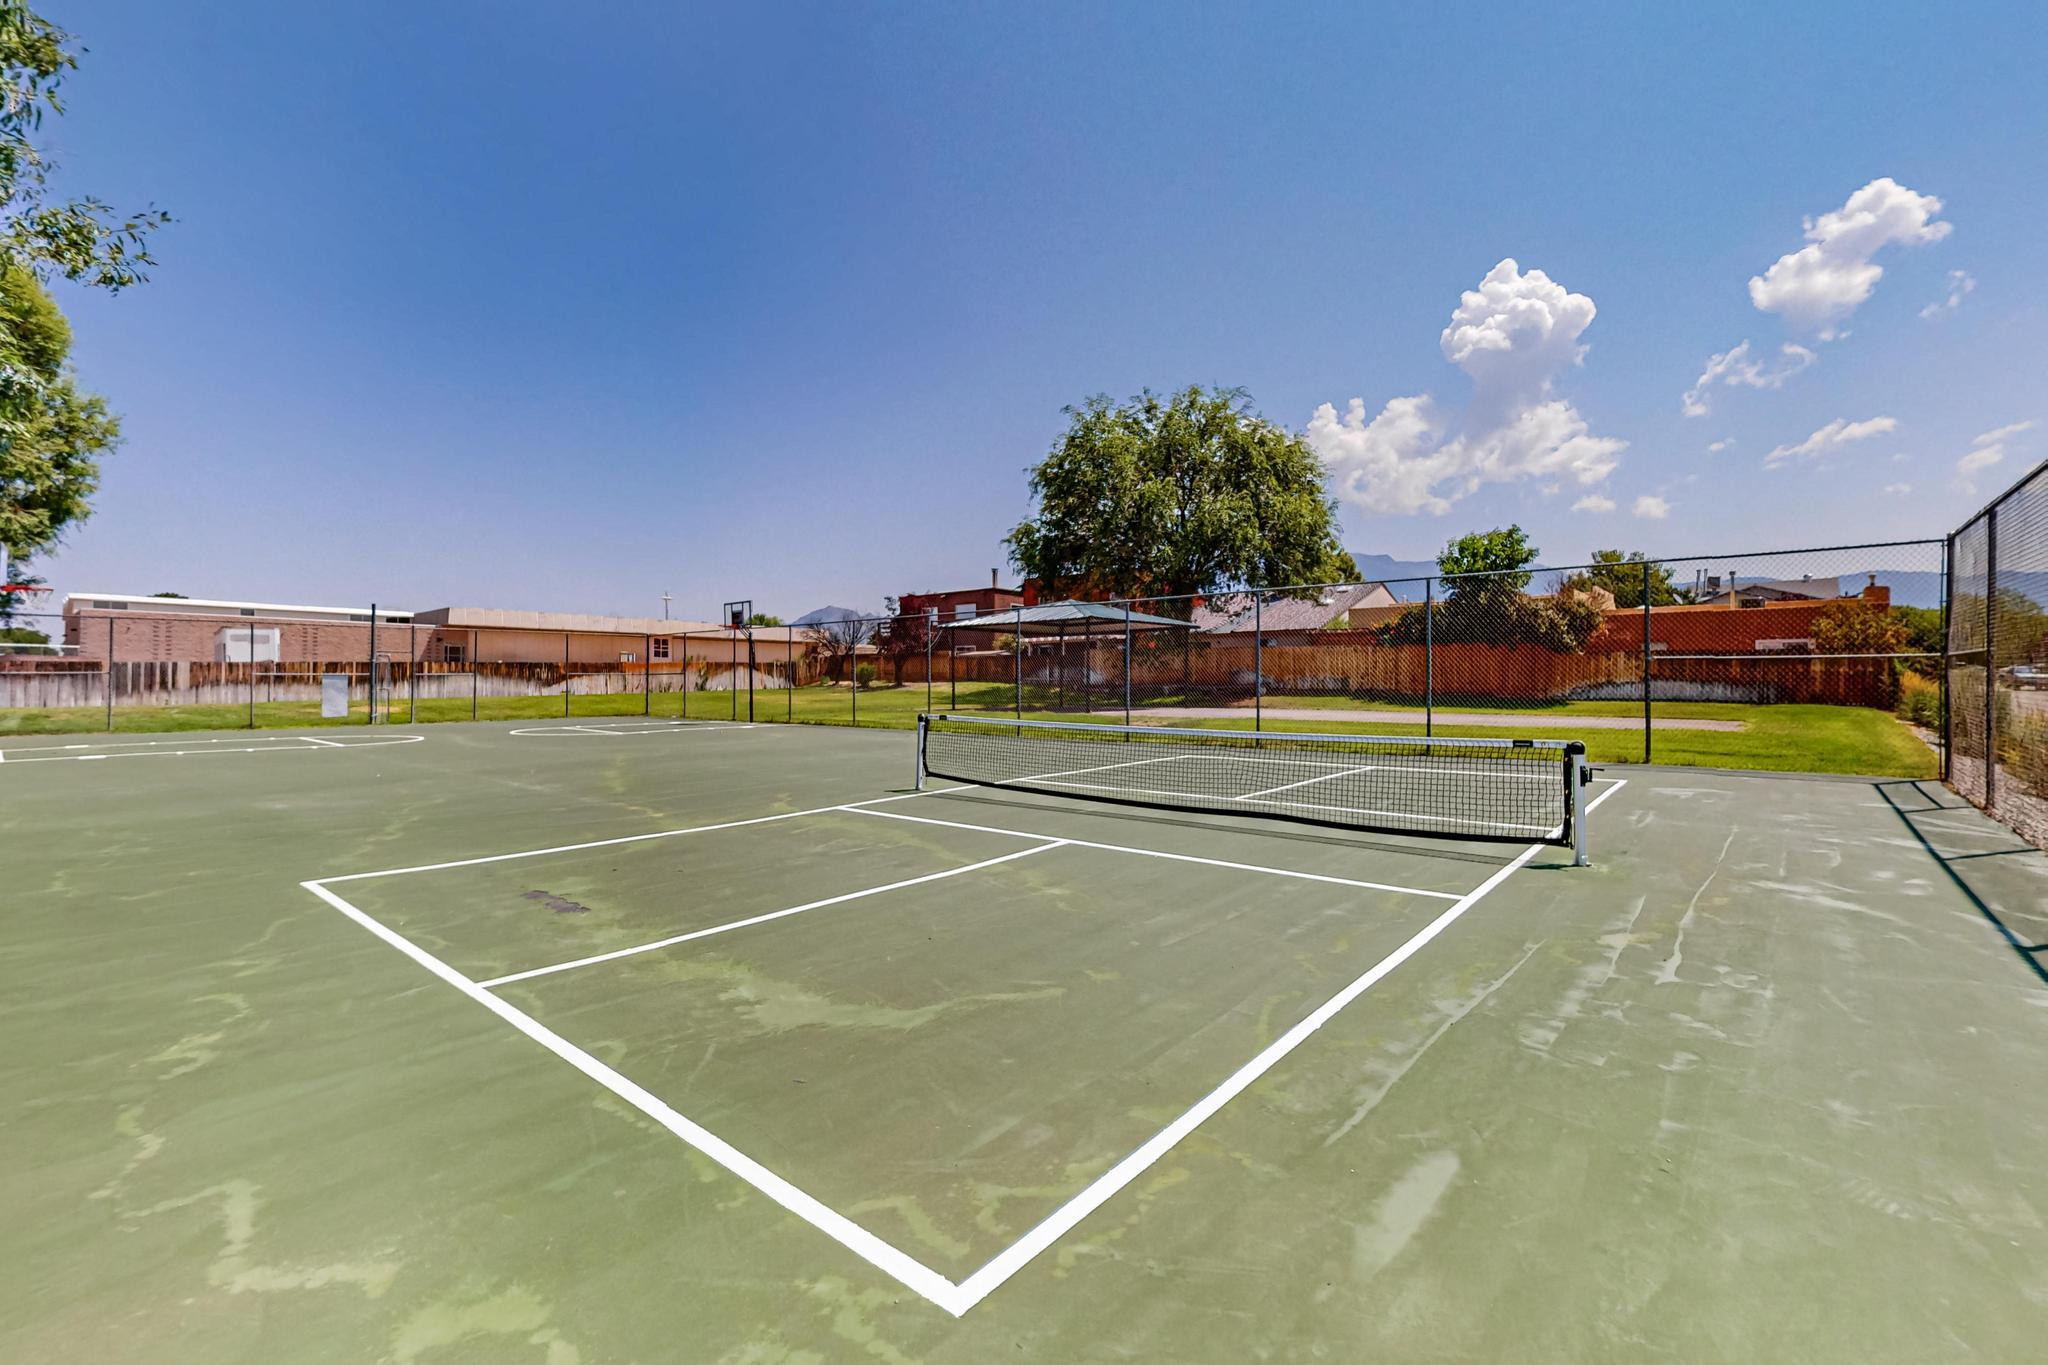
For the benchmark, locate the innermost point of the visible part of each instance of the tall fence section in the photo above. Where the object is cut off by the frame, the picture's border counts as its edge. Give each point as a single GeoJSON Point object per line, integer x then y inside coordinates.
{"type": "Point", "coordinates": [1997, 725]}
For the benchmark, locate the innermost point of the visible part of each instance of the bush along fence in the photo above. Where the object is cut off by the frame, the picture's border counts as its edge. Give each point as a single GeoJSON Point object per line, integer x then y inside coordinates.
{"type": "Point", "coordinates": [1997, 676]}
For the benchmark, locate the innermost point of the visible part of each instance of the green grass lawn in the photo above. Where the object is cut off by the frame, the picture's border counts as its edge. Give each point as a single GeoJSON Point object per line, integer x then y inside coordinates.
{"type": "Point", "coordinates": [1830, 739]}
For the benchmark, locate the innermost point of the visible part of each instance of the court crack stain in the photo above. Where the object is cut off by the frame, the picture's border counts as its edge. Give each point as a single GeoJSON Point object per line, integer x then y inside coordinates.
{"type": "Point", "coordinates": [853, 1317]}
{"type": "Point", "coordinates": [778, 1006]}
{"type": "Point", "coordinates": [1401, 1212]}
{"type": "Point", "coordinates": [195, 1050]}
{"type": "Point", "coordinates": [235, 1268]}
{"type": "Point", "coordinates": [561, 905]}
{"type": "Point", "coordinates": [510, 1312]}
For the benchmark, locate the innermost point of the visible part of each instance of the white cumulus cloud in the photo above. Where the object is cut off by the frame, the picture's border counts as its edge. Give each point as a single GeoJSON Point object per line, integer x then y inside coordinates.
{"type": "Point", "coordinates": [1737, 367]}
{"type": "Point", "coordinates": [1898, 489]}
{"type": "Point", "coordinates": [1715, 448]}
{"type": "Point", "coordinates": [1652, 507]}
{"type": "Point", "coordinates": [1593, 502]}
{"type": "Point", "coordinates": [1959, 284]}
{"type": "Point", "coordinates": [1513, 335]}
{"type": "Point", "coordinates": [1986, 450]}
{"type": "Point", "coordinates": [1828, 278]}
{"type": "Point", "coordinates": [1832, 438]}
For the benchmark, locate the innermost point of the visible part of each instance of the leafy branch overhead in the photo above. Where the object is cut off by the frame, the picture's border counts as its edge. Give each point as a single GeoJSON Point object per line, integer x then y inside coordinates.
{"type": "Point", "coordinates": [1188, 493]}
{"type": "Point", "coordinates": [51, 433]}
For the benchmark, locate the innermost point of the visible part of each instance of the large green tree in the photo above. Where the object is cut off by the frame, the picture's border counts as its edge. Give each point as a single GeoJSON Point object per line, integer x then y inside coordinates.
{"type": "Point", "coordinates": [50, 433]}
{"type": "Point", "coordinates": [1485, 602]}
{"type": "Point", "coordinates": [1622, 574]}
{"type": "Point", "coordinates": [1186, 493]}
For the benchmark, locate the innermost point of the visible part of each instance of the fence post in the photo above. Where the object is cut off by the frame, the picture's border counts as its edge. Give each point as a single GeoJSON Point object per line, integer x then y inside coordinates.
{"type": "Point", "coordinates": [372, 669]}
{"type": "Point", "coordinates": [110, 672]}
{"type": "Point", "coordinates": [930, 622]}
{"type": "Point", "coordinates": [1428, 656]}
{"type": "Point", "coordinates": [1258, 662]}
{"type": "Point", "coordinates": [473, 637]}
{"type": "Point", "coordinates": [565, 675]}
{"type": "Point", "coordinates": [1948, 585]}
{"type": "Point", "coordinates": [412, 673]}
{"type": "Point", "coordinates": [953, 663]}
{"type": "Point", "coordinates": [1127, 663]}
{"type": "Point", "coordinates": [789, 657]}
{"type": "Point", "coordinates": [1017, 652]}
{"type": "Point", "coordinates": [1991, 659]}
{"type": "Point", "coordinates": [250, 634]}
{"type": "Point", "coordinates": [1646, 661]}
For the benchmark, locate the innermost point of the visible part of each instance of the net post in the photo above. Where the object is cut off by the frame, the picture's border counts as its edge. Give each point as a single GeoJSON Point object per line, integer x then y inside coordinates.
{"type": "Point", "coordinates": [1575, 779]}
{"type": "Point", "coordinates": [923, 724]}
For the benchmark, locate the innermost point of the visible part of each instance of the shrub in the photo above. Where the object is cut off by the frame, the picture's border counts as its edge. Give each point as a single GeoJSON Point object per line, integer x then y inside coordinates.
{"type": "Point", "coordinates": [2023, 745]}
{"type": "Point", "coordinates": [864, 676]}
{"type": "Point", "coordinates": [1919, 701]}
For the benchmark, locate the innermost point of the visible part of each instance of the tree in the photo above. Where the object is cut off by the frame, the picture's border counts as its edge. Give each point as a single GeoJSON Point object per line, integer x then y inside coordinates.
{"type": "Point", "coordinates": [1854, 627]}
{"type": "Point", "coordinates": [1189, 493]}
{"type": "Point", "coordinates": [762, 618]}
{"type": "Point", "coordinates": [903, 637]}
{"type": "Point", "coordinates": [1489, 606]}
{"type": "Point", "coordinates": [50, 433]}
{"type": "Point", "coordinates": [836, 639]}
{"type": "Point", "coordinates": [179, 595]}
{"type": "Point", "coordinates": [1622, 575]}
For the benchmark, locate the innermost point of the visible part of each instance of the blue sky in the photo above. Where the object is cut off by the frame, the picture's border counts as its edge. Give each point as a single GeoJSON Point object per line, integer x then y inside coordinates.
{"type": "Point", "coordinates": [515, 305]}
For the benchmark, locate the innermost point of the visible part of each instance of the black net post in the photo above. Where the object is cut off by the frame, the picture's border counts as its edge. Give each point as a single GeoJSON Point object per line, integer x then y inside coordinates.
{"type": "Point", "coordinates": [1646, 661]}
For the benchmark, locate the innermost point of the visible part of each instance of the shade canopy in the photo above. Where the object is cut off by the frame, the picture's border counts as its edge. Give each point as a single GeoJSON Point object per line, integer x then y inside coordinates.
{"type": "Point", "coordinates": [1063, 618]}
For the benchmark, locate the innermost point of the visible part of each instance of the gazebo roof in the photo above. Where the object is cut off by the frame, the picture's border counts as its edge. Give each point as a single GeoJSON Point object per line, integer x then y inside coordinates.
{"type": "Point", "coordinates": [1058, 618]}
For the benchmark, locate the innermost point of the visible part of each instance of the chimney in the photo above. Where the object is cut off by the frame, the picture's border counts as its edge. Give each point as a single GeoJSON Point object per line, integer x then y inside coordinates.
{"type": "Point", "coordinates": [993, 580]}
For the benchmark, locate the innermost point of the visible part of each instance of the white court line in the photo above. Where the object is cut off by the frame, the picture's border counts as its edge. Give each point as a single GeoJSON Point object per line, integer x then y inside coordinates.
{"type": "Point", "coordinates": [641, 838]}
{"type": "Point", "coordinates": [674, 939]}
{"type": "Point", "coordinates": [1511, 825]}
{"type": "Point", "coordinates": [955, 1299]}
{"type": "Point", "coordinates": [1157, 853]}
{"type": "Point", "coordinates": [1008, 1262]}
{"type": "Point", "coordinates": [302, 745]}
{"type": "Point", "coordinates": [1304, 782]}
{"type": "Point", "coordinates": [634, 728]}
{"type": "Point", "coordinates": [841, 1229]}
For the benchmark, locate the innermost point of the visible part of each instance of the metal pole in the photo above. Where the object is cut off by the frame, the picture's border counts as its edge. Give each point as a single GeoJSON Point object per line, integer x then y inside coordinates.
{"type": "Point", "coordinates": [1991, 659]}
{"type": "Point", "coordinates": [1127, 663]}
{"type": "Point", "coordinates": [373, 664]}
{"type": "Point", "coordinates": [1017, 649]}
{"type": "Point", "coordinates": [1258, 662]}
{"type": "Point", "coordinates": [250, 633]}
{"type": "Point", "coordinates": [923, 725]}
{"type": "Point", "coordinates": [412, 673]}
{"type": "Point", "coordinates": [472, 674]}
{"type": "Point", "coordinates": [1948, 584]}
{"type": "Point", "coordinates": [1575, 802]}
{"type": "Point", "coordinates": [110, 672]}
{"type": "Point", "coordinates": [853, 672]}
{"type": "Point", "coordinates": [953, 664]}
{"type": "Point", "coordinates": [565, 675]}
{"type": "Point", "coordinates": [732, 679]}
{"type": "Point", "coordinates": [750, 675]}
{"type": "Point", "coordinates": [1061, 704]}
{"type": "Point", "coordinates": [1429, 656]}
{"type": "Point", "coordinates": [928, 632]}
{"type": "Point", "coordinates": [1646, 661]}
{"type": "Point", "coordinates": [789, 661]}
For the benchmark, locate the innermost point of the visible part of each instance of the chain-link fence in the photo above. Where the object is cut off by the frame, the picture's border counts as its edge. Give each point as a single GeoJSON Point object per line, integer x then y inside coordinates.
{"type": "Point", "coordinates": [1998, 658]}
{"type": "Point", "coordinates": [1753, 659]}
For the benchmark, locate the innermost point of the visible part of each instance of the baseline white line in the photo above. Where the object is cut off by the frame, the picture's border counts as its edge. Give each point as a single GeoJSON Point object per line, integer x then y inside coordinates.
{"type": "Point", "coordinates": [329, 743]}
{"type": "Point", "coordinates": [1020, 1253]}
{"type": "Point", "coordinates": [642, 838]}
{"type": "Point", "coordinates": [1158, 853]}
{"type": "Point", "coordinates": [296, 747]}
{"type": "Point", "coordinates": [837, 1226]}
{"type": "Point", "coordinates": [674, 939]}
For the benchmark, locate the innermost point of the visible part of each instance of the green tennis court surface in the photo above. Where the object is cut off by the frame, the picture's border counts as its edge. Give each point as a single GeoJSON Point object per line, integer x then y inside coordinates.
{"type": "Point", "coordinates": [638, 1040]}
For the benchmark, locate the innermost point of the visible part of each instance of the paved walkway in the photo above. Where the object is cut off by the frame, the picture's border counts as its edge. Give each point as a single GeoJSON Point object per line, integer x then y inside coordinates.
{"type": "Point", "coordinates": [1513, 720]}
